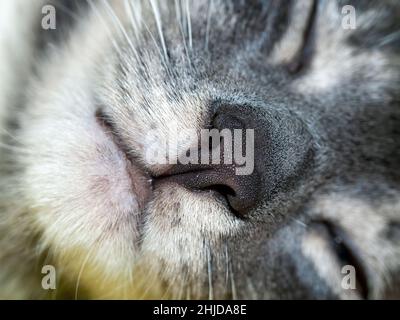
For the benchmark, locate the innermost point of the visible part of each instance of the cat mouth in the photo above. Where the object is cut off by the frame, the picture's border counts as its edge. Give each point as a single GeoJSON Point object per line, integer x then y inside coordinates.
{"type": "Point", "coordinates": [141, 181]}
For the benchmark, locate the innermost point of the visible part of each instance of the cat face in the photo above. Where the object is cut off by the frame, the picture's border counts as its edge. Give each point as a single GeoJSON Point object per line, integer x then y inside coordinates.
{"type": "Point", "coordinates": [323, 193]}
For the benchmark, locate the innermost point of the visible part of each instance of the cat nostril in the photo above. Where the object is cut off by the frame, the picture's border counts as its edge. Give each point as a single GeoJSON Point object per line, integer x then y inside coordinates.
{"type": "Point", "coordinates": [224, 192]}
{"type": "Point", "coordinates": [241, 191]}
{"type": "Point", "coordinates": [222, 189]}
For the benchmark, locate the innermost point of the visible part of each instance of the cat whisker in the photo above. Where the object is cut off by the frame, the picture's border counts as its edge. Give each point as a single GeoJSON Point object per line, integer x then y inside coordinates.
{"type": "Point", "coordinates": [209, 10]}
{"type": "Point", "coordinates": [15, 149]}
{"type": "Point", "coordinates": [133, 16]}
{"type": "Point", "coordinates": [392, 37]}
{"type": "Point", "coordinates": [159, 49]}
{"type": "Point", "coordinates": [85, 261]}
{"type": "Point", "coordinates": [233, 283]}
{"type": "Point", "coordinates": [178, 9]}
{"type": "Point", "coordinates": [109, 33]}
{"type": "Point", "coordinates": [158, 20]}
{"type": "Point", "coordinates": [10, 135]}
{"type": "Point", "coordinates": [209, 271]}
{"type": "Point", "coordinates": [189, 23]}
{"type": "Point", "coordinates": [120, 26]}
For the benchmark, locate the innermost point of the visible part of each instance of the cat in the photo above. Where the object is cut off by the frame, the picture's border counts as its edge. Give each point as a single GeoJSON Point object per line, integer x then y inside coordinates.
{"type": "Point", "coordinates": [318, 217]}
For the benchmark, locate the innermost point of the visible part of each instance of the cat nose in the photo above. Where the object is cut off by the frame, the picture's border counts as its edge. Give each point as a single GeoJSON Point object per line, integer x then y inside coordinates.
{"type": "Point", "coordinates": [233, 183]}
{"type": "Point", "coordinates": [276, 144]}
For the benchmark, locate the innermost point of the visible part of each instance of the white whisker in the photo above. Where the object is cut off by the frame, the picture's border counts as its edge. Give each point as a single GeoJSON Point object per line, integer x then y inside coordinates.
{"type": "Point", "coordinates": [209, 9]}
{"type": "Point", "coordinates": [390, 38]}
{"type": "Point", "coordinates": [109, 33]}
{"type": "Point", "coordinates": [159, 28]}
{"type": "Point", "coordinates": [132, 17]}
{"type": "Point", "coordinates": [119, 24]}
{"type": "Point", "coordinates": [159, 49]}
{"type": "Point", "coordinates": [226, 264]}
{"type": "Point", "coordinates": [13, 137]}
{"type": "Point", "coordinates": [178, 9]}
{"type": "Point", "coordinates": [299, 222]}
{"type": "Point", "coordinates": [80, 273]}
{"type": "Point", "coordinates": [189, 22]}
{"type": "Point", "coordinates": [232, 278]}
{"type": "Point", "coordinates": [15, 149]}
{"type": "Point", "coordinates": [210, 280]}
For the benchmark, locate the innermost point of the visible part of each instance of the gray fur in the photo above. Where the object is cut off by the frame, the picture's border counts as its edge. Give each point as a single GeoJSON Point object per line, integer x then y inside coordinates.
{"type": "Point", "coordinates": [333, 150]}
